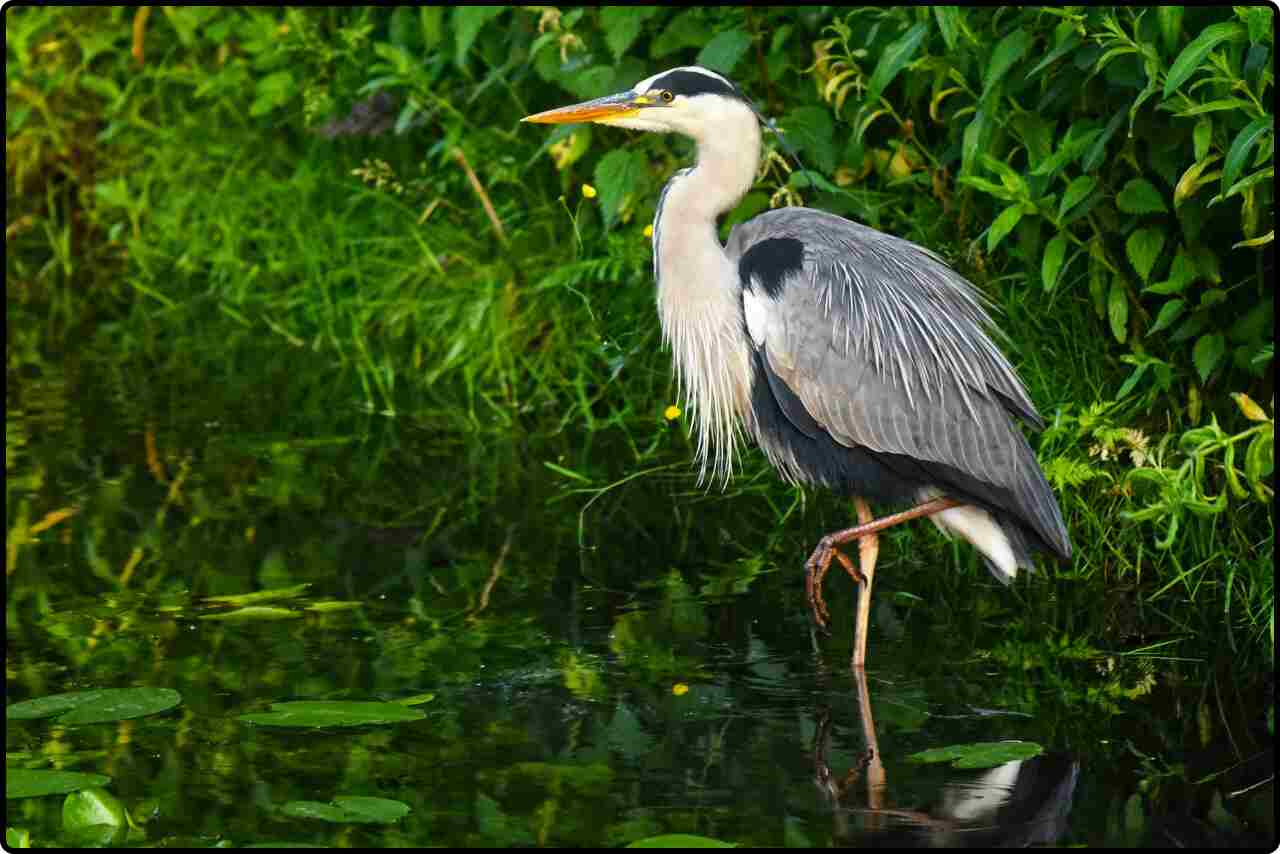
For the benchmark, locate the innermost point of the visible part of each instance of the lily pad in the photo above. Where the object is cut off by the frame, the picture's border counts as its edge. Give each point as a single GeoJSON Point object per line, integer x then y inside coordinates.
{"type": "Point", "coordinates": [350, 809]}
{"type": "Point", "coordinates": [329, 713]}
{"type": "Point", "coordinates": [259, 596]}
{"type": "Point", "coordinates": [255, 612]}
{"type": "Point", "coordinates": [97, 706]}
{"type": "Point", "coordinates": [28, 783]}
{"type": "Point", "coordinates": [680, 840]}
{"type": "Point", "coordinates": [90, 807]}
{"type": "Point", "coordinates": [328, 605]}
{"type": "Point", "coordinates": [981, 754]}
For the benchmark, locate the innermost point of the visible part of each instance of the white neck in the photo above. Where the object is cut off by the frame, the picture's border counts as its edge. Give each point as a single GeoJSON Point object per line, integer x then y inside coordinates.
{"type": "Point", "coordinates": [698, 290]}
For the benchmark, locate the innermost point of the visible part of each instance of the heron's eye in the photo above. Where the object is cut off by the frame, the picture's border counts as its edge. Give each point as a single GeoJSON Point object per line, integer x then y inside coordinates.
{"type": "Point", "coordinates": [667, 96]}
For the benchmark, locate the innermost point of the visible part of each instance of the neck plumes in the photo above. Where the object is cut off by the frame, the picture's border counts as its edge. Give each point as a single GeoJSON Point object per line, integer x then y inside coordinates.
{"type": "Point", "coordinates": [699, 296]}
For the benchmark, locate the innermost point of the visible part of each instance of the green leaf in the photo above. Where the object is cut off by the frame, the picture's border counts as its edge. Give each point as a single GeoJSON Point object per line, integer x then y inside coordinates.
{"type": "Point", "coordinates": [1247, 182]}
{"type": "Point", "coordinates": [591, 83]}
{"type": "Point", "coordinates": [895, 57]}
{"type": "Point", "coordinates": [349, 809]}
{"type": "Point", "coordinates": [983, 754]}
{"type": "Point", "coordinates": [1140, 196]}
{"type": "Point", "coordinates": [1077, 191]}
{"type": "Point", "coordinates": [1260, 240]}
{"type": "Point", "coordinates": [1069, 150]}
{"type": "Point", "coordinates": [1213, 107]}
{"type": "Point", "coordinates": [1118, 309]}
{"type": "Point", "coordinates": [1259, 461]}
{"type": "Point", "coordinates": [1170, 20]}
{"type": "Point", "coordinates": [1169, 312]}
{"type": "Point", "coordinates": [975, 138]}
{"type": "Point", "coordinates": [1202, 137]}
{"type": "Point", "coordinates": [1143, 248]}
{"type": "Point", "coordinates": [331, 713]}
{"type": "Point", "coordinates": [622, 25]}
{"type": "Point", "coordinates": [618, 176]}
{"type": "Point", "coordinates": [431, 20]}
{"type": "Point", "coordinates": [26, 783]}
{"type": "Point", "coordinates": [804, 178]}
{"type": "Point", "coordinates": [724, 51]}
{"type": "Point", "coordinates": [812, 131]}
{"type": "Point", "coordinates": [1009, 177]}
{"type": "Point", "coordinates": [1051, 264]}
{"type": "Point", "coordinates": [1182, 272]}
{"type": "Point", "coordinates": [949, 24]}
{"type": "Point", "coordinates": [688, 29]}
{"type": "Point", "coordinates": [403, 28]}
{"type": "Point", "coordinates": [1239, 151]}
{"type": "Point", "coordinates": [97, 706]}
{"type": "Point", "coordinates": [88, 807]}
{"type": "Point", "coordinates": [1207, 353]}
{"type": "Point", "coordinates": [1003, 225]}
{"type": "Point", "coordinates": [1093, 156]}
{"type": "Point", "coordinates": [1098, 289]}
{"type": "Point", "coordinates": [997, 190]}
{"type": "Point", "coordinates": [680, 840]}
{"type": "Point", "coordinates": [1068, 44]}
{"type": "Point", "coordinates": [1009, 50]}
{"type": "Point", "coordinates": [1260, 20]}
{"type": "Point", "coordinates": [467, 23]}
{"type": "Point", "coordinates": [1128, 385]}
{"type": "Point", "coordinates": [1193, 54]}
{"type": "Point", "coordinates": [1193, 178]}
{"type": "Point", "coordinates": [272, 91]}
{"type": "Point", "coordinates": [1192, 326]}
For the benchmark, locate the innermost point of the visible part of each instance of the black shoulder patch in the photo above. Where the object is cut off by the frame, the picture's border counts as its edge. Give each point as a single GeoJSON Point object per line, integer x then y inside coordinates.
{"type": "Point", "coordinates": [768, 263]}
{"type": "Point", "coordinates": [682, 82]}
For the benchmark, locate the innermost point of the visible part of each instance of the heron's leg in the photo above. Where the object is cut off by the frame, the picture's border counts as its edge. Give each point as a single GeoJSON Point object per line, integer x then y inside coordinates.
{"type": "Point", "coordinates": [868, 550]}
{"type": "Point", "coordinates": [818, 563]}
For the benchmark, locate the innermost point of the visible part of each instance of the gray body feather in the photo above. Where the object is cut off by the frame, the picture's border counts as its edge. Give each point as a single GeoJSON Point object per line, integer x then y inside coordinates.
{"type": "Point", "coordinates": [886, 349]}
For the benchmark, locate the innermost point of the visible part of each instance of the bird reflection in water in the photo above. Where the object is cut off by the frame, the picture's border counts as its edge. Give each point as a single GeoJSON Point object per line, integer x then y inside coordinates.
{"type": "Point", "coordinates": [1023, 802]}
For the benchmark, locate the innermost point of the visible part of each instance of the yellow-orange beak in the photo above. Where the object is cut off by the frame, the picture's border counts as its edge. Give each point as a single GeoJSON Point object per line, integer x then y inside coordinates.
{"type": "Point", "coordinates": [609, 107]}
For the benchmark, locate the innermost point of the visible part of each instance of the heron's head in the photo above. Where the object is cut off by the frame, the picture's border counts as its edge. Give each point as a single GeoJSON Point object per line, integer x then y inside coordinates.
{"type": "Point", "coordinates": [690, 100]}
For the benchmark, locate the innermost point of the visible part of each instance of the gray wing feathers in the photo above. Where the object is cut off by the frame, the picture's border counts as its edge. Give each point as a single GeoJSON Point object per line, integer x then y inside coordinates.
{"type": "Point", "coordinates": [886, 347]}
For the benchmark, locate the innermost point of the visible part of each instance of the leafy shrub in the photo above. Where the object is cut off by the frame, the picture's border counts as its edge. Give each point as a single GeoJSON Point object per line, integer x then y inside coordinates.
{"type": "Point", "coordinates": [200, 189]}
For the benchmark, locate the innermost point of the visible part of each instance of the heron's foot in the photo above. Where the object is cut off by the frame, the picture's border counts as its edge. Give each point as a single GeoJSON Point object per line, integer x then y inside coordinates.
{"type": "Point", "coordinates": [816, 572]}
{"type": "Point", "coordinates": [854, 572]}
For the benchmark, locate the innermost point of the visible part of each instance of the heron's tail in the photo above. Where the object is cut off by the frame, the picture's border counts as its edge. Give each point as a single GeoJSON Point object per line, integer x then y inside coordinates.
{"type": "Point", "coordinates": [1003, 544]}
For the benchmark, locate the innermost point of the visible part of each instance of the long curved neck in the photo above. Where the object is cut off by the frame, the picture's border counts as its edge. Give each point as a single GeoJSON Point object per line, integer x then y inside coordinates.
{"type": "Point", "coordinates": [684, 228]}
{"type": "Point", "coordinates": [698, 291]}
{"type": "Point", "coordinates": [725, 170]}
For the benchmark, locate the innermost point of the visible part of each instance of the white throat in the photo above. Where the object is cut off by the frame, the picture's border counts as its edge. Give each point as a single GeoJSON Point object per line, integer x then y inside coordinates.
{"type": "Point", "coordinates": [699, 296]}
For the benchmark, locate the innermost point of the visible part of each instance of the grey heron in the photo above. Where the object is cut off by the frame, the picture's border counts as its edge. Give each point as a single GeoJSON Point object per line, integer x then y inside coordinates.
{"type": "Point", "coordinates": [856, 360]}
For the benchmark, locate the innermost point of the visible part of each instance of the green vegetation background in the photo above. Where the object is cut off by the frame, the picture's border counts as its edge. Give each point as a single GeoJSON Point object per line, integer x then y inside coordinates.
{"type": "Point", "coordinates": [338, 210]}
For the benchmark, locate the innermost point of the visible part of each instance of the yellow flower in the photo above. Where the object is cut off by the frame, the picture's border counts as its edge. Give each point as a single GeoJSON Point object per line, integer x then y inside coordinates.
{"type": "Point", "coordinates": [671, 413]}
{"type": "Point", "coordinates": [648, 231]}
{"type": "Point", "coordinates": [679, 689]}
{"type": "Point", "coordinates": [588, 191]}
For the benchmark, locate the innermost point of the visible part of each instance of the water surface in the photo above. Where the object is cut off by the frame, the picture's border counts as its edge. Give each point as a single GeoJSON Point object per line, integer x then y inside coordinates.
{"type": "Point", "coordinates": [588, 676]}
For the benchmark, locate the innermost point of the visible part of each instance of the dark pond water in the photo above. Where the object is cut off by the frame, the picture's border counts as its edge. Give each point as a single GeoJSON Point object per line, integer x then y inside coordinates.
{"type": "Point", "coordinates": [659, 677]}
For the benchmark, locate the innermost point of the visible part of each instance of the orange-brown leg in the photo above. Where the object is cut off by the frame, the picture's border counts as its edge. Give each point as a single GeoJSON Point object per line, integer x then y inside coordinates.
{"type": "Point", "coordinates": [868, 550]}
{"type": "Point", "coordinates": [820, 561]}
